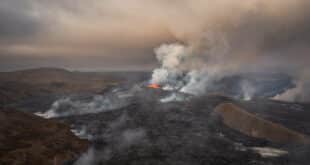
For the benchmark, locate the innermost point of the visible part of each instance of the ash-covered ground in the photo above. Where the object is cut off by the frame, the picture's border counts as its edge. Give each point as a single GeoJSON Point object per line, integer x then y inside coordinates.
{"type": "Point", "coordinates": [134, 124]}
{"type": "Point", "coordinates": [127, 122]}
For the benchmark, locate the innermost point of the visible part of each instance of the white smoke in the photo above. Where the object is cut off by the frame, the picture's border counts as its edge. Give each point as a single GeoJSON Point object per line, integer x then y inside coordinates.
{"type": "Point", "coordinates": [171, 58]}
{"type": "Point", "coordinates": [268, 152]}
{"type": "Point", "coordinates": [191, 68]}
{"type": "Point", "coordinates": [248, 90]}
{"type": "Point", "coordinates": [289, 95]}
{"type": "Point", "coordinates": [119, 139]}
{"type": "Point", "coordinates": [76, 105]}
{"type": "Point", "coordinates": [197, 82]}
{"type": "Point", "coordinates": [196, 68]}
{"type": "Point", "coordinates": [300, 93]}
{"type": "Point", "coordinates": [253, 36]}
{"type": "Point", "coordinates": [71, 106]}
{"type": "Point", "coordinates": [131, 137]}
{"type": "Point", "coordinates": [82, 133]}
{"type": "Point", "coordinates": [175, 97]}
{"type": "Point", "coordinates": [87, 158]}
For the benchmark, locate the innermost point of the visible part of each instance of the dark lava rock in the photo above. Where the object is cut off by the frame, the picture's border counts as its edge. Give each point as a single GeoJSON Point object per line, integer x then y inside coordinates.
{"type": "Point", "coordinates": [149, 132]}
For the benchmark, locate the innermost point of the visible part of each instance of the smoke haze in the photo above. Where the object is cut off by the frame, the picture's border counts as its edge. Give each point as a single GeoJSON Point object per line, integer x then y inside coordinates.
{"type": "Point", "coordinates": [208, 37]}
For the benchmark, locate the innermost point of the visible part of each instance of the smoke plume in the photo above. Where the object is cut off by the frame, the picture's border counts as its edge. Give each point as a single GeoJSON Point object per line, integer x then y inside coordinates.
{"type": "Point", "coordinates": [300, 93]}
{"type": "Point", "coordinates": [72, 106]}
{"type": "Point", "coordinates": [233, 38]}
{"type": "Point", "coordinates": [202, 40]}
{"type": "Point", "coordinates": [119, 137]}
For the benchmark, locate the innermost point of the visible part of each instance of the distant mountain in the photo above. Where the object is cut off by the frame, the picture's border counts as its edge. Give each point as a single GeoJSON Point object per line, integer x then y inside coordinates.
{"type": "Point", "coordinates": [58, 79]}
{"type": "Point", "coordinates": [25, 85]}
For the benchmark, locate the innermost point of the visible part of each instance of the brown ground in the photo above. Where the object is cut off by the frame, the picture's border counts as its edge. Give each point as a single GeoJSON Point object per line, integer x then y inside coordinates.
{"type": "Point", "coordinates": [20, 85]}
{"type": "Point", "coordinates": [26, 139]}
{"type": "Point", "coordinates": [251, 125]}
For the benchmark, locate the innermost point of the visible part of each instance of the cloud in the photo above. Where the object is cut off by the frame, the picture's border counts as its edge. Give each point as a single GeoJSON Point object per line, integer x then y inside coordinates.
{"type": "Point", "coordinates": [268, 32]}
{"type": "Point", "coordinates": [16, 21]}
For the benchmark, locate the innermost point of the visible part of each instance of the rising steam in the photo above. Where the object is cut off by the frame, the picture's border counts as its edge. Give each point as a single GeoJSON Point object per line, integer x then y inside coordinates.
{"type": "Point", "coordinates": [300, 93]}
{"type": "Point", "coordinates": [189, 68]}
{"type": "Point", "coordinates": [71, 106]}
{"type": "Point", "coordinates": [253, 36]}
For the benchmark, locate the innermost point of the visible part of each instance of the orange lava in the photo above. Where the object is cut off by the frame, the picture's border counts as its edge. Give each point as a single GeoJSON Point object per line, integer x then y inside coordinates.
{"type": "Point", "coordinates": [154, 86]}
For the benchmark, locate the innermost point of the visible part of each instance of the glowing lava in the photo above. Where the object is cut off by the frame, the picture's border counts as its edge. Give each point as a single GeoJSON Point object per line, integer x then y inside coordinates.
{"type": "Point", "coordinates": [154, 86]}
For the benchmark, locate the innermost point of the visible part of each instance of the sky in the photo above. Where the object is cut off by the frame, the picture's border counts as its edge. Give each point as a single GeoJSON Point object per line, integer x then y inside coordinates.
{"type": "Point", "coordinates": [100, 35]}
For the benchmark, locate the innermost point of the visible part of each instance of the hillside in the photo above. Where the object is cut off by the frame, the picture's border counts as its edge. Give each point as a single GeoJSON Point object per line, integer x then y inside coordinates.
{"type": "Point", "coordinates": [255, 126]}
{"type": "Point", "coordinates": [47, 84]}
{"type": "Point", "coordinates": [27, 139]}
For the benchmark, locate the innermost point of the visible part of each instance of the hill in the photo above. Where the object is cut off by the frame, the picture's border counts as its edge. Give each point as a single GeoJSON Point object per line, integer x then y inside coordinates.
{"type": "Point", "coordinates": [29, 88]}
{"type": "Point", "coordinates": [27, 139]}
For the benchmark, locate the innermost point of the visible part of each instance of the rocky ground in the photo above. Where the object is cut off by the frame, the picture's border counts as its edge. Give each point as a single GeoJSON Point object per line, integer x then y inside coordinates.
{"type": "Point", "coordinates": [28, 139]}
{"type": "Point", "coordinates": [36, 89]}
{"type": "Point", "coordinates": [128, 123]}
{"type": "Point", "coordinates": [148, 131]}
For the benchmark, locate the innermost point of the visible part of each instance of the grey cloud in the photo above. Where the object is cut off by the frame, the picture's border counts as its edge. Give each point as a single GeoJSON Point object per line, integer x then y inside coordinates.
{"type": "Point", "coordinates": [16, 21]}
{"type": "Point", "coordinates": [125, 32]}
{"type": "Point", "coordinates": [272, 33]}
